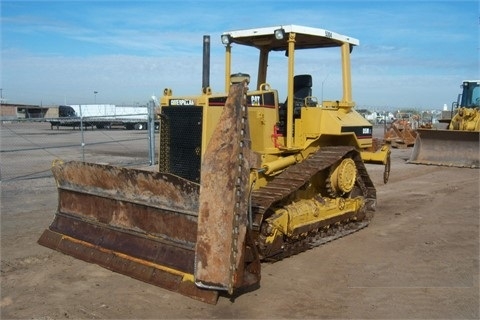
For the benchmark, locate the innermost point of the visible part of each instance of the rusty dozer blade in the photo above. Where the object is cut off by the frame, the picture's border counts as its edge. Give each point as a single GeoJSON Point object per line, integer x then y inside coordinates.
{"type": "Point", "coordinates": [452, 148]}
{"type": "Point", "coordinates": [222, 221]}
{"type": "Point", "coordinates": [139, 223]}
{"type": "Point", "coordinates": [144, 224]}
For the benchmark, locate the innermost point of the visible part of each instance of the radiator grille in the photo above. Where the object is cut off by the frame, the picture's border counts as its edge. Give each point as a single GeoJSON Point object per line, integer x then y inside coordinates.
{"type": "Point", "coordinates": [181, 142]}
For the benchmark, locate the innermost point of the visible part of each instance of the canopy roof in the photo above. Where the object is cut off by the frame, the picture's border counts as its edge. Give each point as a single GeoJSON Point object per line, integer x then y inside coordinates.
{"type": "Point", "coordinates": [306, 38]}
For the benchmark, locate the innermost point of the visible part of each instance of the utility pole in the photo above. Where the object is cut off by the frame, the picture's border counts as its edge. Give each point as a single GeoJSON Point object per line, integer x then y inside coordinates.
{"type": "Point", "coordinates": [323, 84]}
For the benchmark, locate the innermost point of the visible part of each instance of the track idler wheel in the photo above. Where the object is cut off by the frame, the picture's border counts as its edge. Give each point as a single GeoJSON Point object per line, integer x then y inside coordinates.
{"type": "Point", "coordinates": [342, 178]}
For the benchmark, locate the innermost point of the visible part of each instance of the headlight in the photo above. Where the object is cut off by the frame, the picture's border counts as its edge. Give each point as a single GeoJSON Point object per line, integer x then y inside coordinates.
{"type": "Point", "coordinates": [226, 39]}
{"type": "Point", "coordinates": [279, 34]}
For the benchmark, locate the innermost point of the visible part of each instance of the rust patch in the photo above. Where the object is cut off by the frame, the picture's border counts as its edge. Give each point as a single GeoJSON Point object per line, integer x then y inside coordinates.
{"type": "Point", "coordinates": [223, 198]}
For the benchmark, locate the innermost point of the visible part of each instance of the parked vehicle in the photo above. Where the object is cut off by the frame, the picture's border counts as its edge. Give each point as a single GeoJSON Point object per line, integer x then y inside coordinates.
{"type": "Point", "coordinates": [459, 144]}
{"type": "Point", "coordinates": [243, 178]}
{"type": "Point", "coordinates": [102, 116]}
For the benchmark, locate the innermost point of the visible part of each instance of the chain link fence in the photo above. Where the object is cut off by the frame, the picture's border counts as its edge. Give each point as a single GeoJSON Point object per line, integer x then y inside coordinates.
{"type": "Point", "coordinates": [29, 146]}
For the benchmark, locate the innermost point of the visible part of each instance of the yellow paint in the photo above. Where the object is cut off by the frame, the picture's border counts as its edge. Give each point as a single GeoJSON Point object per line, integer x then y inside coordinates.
{"type": "Point", "coordinates": [185, 276]}
{"type": "Point", "coordinates": [305, 212]}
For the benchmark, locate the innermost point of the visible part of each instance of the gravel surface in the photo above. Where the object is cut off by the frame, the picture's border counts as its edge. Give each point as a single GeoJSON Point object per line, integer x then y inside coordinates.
{"type": "Point", "coordinates": [418, 259]}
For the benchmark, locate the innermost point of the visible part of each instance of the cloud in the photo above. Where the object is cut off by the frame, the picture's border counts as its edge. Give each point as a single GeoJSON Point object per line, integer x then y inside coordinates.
{"type": "Point", "coordinates": [120, 79]}
{"type": "Point", "coordinates": [411, 52]}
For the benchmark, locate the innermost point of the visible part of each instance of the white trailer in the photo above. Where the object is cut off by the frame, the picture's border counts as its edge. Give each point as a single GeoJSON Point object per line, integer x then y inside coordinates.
{"type": "Point", "coordinates": [103, 116]}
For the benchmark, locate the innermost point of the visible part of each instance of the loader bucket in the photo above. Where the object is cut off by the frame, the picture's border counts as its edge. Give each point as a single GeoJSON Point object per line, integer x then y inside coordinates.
{"type": "Point", "coordinates": [450, 148]}
{"type": "Point", "coordinates": [145, 224]}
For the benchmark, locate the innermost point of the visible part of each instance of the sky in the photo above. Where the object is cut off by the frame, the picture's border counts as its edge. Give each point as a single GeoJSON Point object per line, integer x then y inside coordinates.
{"type": "Point", "coordinates": [412, 54]}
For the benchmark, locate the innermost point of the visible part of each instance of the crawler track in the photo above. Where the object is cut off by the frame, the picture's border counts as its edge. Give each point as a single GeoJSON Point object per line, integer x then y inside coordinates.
{"type": "Point", "coordinates": [292, 179]}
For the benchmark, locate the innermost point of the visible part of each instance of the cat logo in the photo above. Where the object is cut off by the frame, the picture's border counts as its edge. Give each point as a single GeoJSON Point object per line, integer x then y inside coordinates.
{"type": "Point", "coordinates": [182, 102]}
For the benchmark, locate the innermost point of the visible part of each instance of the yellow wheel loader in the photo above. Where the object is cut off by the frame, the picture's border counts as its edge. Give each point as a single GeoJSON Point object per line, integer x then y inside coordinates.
{"type": "Point", "coordinates": [459, 144]}
{"type": "Point", "coordinates": [243, 178]}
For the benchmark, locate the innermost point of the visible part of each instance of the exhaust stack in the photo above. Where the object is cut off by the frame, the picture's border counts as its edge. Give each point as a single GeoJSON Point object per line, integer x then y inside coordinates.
{"type": "Point", "coordinates": [206, 63]}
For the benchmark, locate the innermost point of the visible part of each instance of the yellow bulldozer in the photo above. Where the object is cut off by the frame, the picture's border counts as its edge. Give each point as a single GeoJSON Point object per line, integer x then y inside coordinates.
{"type": "Point", "coordinates": [459, 144]}
{"type": "Point", "coordinates": [242, 178]}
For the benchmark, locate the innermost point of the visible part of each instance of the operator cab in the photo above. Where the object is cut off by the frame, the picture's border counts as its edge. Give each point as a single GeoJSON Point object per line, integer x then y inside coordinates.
{"type": "Point", "coordinates": [288, 39]}
{"type": "Point", "coordinates": [470, 97]}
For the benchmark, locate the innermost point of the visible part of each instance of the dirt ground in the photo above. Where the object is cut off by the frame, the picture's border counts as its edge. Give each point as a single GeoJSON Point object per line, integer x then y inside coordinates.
{"type": "Point", "coordinates": [418, 259]}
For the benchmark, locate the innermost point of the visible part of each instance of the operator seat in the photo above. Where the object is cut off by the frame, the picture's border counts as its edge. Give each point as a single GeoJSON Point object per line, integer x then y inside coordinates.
{"type": "Point", "coordinates": [302, 88]}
